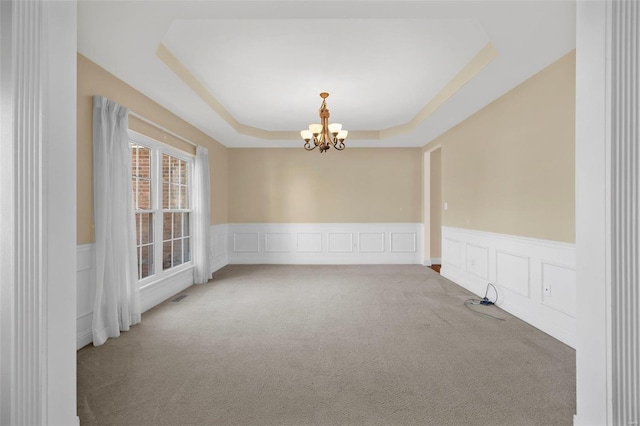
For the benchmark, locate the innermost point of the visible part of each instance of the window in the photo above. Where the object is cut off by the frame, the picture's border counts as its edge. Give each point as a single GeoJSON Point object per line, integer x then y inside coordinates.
{"type": "Point", "coordinates": [141, 176]}
{"type": "Point", "coordinates": [161, 178]}
{"type": "Point", "coordinates": [175, 212]}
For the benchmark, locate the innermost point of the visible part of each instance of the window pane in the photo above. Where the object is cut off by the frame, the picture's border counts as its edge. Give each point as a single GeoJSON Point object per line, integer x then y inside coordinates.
{"type": "Point", "coordinates": [174, 188]}
{"type": "Point", "coordinates": [166, 255]}
{"type": "Point", "coordinates": [145, 228]}
{"type": "Point", "coordinates": [183, 172]}
{"type": "Point", "coordinates": [170, 195]}
{"type": "Point", "coordinates": [187, 249]}
{"type": "Point", "coordinates": [141, 176]}
{"type": "Point", "coordinates": [140, 161]}
{"type": "Point", "coordinates": [146, 261]}
{"type": "Point", "coordinates": [177, 225]}
{"type": "Point", "coordinates": [184, 202]}
{"type": "Point", "coordinates": [175, 170]}
{"type": "Point", "coordinates": [134, 185]}
{"type": "Point", "coordinates": [134, 160]}
{"type": "Point", "coordinates": [185, 225]}
{"type": "Point", "coordinates": [175, 196]}
{"type": "Point", "coordinates": [143, 195]}
{"type": "Point", "coordinates": [177, 252]}
{"type": "Point", "coordinates": [167, 230]}
{"type": "Point", "coordinates": [166, 159]}
{"type": "Point", "coordinates": [165, 195]}
{"type": "Point", "coordinates": [144, 162]}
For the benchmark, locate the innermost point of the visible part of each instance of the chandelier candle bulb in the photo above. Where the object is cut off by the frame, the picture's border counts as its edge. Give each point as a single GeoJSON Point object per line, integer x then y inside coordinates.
{"type": "Point", "coordinates": [324, 135]}
{"type": "Point", "coordinates": [316, 129]}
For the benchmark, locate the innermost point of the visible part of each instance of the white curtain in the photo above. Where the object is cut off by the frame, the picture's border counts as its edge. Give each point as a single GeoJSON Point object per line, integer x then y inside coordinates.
{"type": "Point", "coordinates": [117, 302]}
{"type": "Point", "coordinates": [201, 224]}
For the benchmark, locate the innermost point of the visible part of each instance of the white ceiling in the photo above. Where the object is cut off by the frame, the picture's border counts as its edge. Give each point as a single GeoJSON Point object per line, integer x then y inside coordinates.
{"type": "Point", "coordinates": [265, 62]}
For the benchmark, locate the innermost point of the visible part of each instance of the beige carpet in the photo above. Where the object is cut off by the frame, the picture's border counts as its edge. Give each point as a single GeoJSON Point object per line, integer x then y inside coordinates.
{"type": "Point", "coordinates": [327, 345]}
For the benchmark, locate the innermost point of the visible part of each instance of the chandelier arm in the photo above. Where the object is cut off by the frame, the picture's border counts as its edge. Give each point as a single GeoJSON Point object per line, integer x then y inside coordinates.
{"type": "Point", "coordinates": [308, 146]}
{"type": "Point", "coordinates": [339, 145]}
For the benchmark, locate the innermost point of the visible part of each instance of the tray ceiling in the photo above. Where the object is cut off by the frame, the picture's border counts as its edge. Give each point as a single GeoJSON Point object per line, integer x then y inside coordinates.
{"type": "Point", "coordinates": [399, 73]}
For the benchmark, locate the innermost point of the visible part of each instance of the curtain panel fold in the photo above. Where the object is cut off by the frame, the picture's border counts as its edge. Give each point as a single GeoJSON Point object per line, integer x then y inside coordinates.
{"type": "Point", "coordinates": [117, 300]}
{"type": "Point", "coordinates": [201, 222]}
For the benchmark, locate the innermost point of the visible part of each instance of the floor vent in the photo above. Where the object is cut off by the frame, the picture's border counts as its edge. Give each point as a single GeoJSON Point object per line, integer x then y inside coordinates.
{"type": "Point", "coordinates": [179, 298]}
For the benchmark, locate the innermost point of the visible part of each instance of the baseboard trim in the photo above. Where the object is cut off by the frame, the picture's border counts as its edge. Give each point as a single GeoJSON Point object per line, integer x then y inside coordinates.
{"type": "Point", "coordinates": [219, 263]}
{"type": "Point", "coordinates": [84, 330]}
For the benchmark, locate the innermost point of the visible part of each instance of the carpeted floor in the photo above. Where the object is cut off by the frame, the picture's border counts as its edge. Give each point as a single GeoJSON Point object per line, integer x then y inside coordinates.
{"type": "Point", "coordinates": [327, 345]}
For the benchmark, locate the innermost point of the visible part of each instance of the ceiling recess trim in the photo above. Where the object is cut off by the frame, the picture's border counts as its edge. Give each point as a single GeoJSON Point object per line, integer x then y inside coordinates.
{"type": "Point", "coordinates": [487, 54]}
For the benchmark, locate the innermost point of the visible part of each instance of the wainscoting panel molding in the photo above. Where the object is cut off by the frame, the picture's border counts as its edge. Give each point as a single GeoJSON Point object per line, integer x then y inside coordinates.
{"type": "Point", "coordinates": [246, 242]}
{"type": "Point", "coordinates": [277, 243]}
{"type": "Point", "coordinates": [512, 272]}
{"type": "Point", "coordinates": [325, 243]}
{"type": "Point", "coordinates": [371, 242]}
{"type": "Point", "coordinates": [340, 242]}
{"type": "Point", "coordinates": [309, 242]}
{"type": "Point", "coordinates": [478, 261]}
{"type": "Point", "coordinates": [535, 279]}
{"type": "Point", "coordinates": [452, 251]}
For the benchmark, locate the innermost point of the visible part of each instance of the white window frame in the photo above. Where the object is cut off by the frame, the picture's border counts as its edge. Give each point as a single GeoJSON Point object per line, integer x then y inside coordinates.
{"type": "Point", "coordinates": [157, 149]}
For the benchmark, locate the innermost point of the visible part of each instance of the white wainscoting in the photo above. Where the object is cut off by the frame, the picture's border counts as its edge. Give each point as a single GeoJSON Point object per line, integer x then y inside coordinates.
{"type": "Point", "coordinates": [536, 279]}
{"type": "Point", "coordinates": [85, 293]}
{"type": "Point", "coordinates": [324, 243]}
{"type": "Point", "coordinates": [219, 247]}
{"type": "Point", "coordinates": [150, 295]}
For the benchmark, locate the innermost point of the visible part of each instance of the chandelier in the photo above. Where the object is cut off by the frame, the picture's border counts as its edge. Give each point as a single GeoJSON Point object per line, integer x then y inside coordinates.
{"type": "Point", "coordinates": [324, 135]}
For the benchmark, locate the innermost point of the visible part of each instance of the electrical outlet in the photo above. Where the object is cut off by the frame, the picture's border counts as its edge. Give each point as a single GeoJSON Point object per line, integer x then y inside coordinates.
{"type": "Point", "coordinates": [547, 290]}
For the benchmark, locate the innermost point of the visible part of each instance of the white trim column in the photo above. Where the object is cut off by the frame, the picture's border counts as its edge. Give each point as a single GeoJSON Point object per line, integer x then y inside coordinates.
{"type": "Point", "coordinates": [593, 145]}
{"type": "Point", "coordinates": [625, 222]}
{"type": "Point", "coordinates": [607, 222]}
{"type": "Point", "coordinates": [37, 212]}
{"type": "Point", "coordinates": [7, 217]}
{"type": "Point", "coordinates": [426, 205]}
{"type": "Point", "coordinates": [60, 131]}
{"type": "Point", "coordinates": [426, 208]}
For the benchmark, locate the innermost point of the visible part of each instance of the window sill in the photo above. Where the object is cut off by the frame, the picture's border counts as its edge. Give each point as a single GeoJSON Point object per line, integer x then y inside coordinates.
{"type": "Point", "coordinates": [164, 275]}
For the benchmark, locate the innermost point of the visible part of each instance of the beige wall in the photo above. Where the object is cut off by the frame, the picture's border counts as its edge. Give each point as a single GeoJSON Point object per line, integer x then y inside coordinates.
{"type": "Point", "coordinates": [510, 167]}
{"type": "Point", "coordinates": [296, 186]}
{"type": "Point", "coordinates": [93, 80]}
{"type": "Point", "coordinates": [435, 191]}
